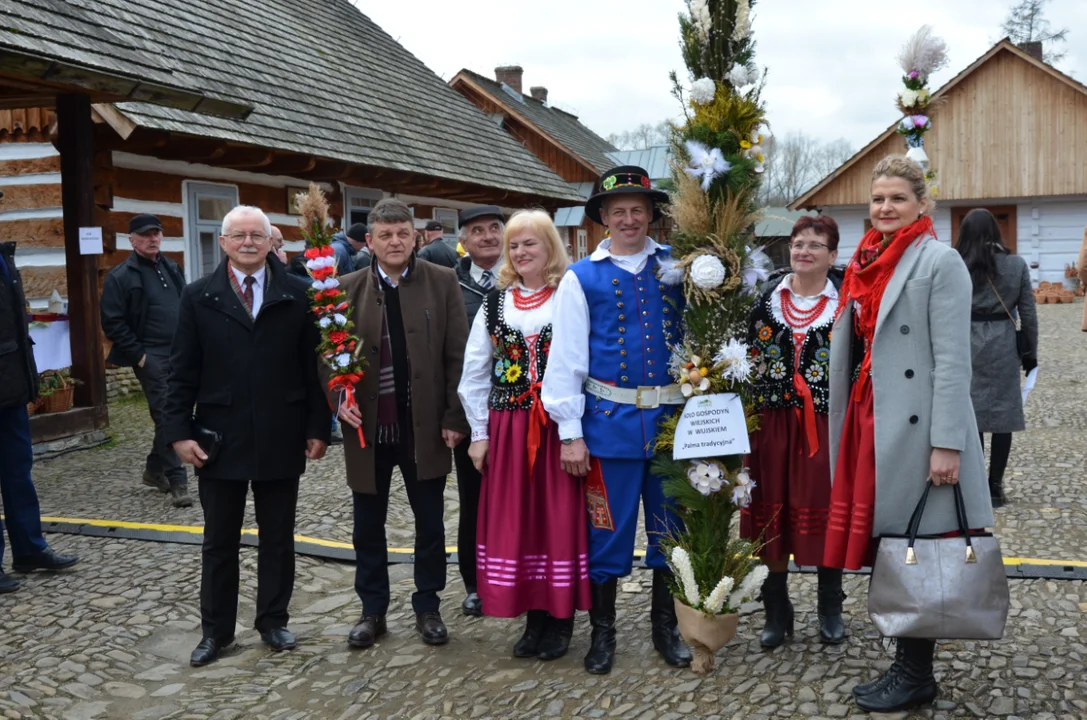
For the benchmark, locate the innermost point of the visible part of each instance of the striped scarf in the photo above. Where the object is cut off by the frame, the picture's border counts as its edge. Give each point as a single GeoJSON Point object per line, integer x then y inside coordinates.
{"type": "Point", "coordinates": [388, 416]}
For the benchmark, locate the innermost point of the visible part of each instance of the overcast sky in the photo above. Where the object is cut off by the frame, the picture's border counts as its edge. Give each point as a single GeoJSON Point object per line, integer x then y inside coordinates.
{"type": "Point", "coordinates": [832, 69]}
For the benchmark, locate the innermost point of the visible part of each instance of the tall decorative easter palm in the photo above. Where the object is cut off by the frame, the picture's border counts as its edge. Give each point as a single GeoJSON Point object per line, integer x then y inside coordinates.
{"type": "Point", "coordinates": [718, 167]}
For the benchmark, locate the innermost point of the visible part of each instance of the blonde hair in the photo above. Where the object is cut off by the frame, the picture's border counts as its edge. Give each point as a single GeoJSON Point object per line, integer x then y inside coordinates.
{"type": "Point", "coordinates": [539, 224]}
{"type": "Point", "coordinates": [900, 166]}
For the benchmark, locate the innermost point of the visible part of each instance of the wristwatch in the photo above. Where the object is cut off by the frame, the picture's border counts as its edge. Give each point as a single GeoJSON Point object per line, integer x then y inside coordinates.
{"type": "Point", "coordinates": [568, 441]}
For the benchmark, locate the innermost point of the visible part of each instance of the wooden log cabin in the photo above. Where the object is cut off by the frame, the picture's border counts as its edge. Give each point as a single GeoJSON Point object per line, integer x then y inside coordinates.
{"type": "Point", "coordinates": [1009, 133]}
{"type": "Point", "coordinates": [44, 64]}
{"type": "Point", "coordinates": [555, 136]}
{"type": "Point", "coordinates": [328, 97]}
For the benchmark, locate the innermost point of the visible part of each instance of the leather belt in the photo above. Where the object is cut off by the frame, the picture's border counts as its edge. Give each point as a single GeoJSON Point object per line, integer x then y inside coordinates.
{"type": "Point", "coordinates": [643, 397]}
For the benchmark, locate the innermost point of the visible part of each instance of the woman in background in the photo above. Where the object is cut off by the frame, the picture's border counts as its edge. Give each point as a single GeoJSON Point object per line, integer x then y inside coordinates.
{"type": "Point", "coordinates": [1003, 298]}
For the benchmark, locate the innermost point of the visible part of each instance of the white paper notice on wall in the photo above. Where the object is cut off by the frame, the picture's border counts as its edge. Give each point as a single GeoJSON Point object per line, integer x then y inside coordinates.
{"type": "Point", "coordinates": [712, 425]}
{"type": "Point", "coordinates": [90, 241]}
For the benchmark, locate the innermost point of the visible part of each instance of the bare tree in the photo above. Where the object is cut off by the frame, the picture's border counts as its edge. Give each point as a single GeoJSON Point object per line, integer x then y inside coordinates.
{"type": "Point", "coordinates": [795, 163]}
{"type": "Point", "coordinates": [1026, 23]}
{"type": "Point", "coordinates": [642, 137]}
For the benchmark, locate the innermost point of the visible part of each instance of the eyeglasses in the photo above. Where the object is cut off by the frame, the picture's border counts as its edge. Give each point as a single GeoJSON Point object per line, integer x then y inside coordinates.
{"type": "Point", "coordinates": [258, 237]}
{"type": "Point", "coordinates": [801, 247]}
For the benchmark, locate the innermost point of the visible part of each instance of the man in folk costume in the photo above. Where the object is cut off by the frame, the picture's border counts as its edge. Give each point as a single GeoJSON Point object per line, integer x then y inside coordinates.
{"type": "Point", "coordinates": [607, 387]}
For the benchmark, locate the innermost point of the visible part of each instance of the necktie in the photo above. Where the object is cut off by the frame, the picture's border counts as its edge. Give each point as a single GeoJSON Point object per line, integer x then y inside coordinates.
{"type": "Point", "coordinates": [487, 281]}
{"type": "Point", "coordinates": [247, 294]}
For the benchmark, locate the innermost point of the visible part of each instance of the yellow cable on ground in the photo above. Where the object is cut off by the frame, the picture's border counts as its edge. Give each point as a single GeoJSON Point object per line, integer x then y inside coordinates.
{"type": "Point", "coordinates": [199, 530]}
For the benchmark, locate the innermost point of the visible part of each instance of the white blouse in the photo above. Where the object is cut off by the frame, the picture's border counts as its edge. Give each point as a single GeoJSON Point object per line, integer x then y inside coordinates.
{"type": "Point", "coordinates": [475, 380]}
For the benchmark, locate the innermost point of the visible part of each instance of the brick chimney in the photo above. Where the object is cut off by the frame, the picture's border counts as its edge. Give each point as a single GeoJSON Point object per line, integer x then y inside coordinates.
{"type": "Point", "coordinates": [510, 74]}
{"type": "Point", "coordinates": [1033, 48]}
{"type": "Point", "coordinates": [539, 93]}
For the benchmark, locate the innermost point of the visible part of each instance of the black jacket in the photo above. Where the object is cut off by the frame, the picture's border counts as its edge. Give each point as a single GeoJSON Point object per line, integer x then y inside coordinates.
{"type": "Point", "coordinates": [123, 308]}
{"type": "Point", "coordinates": [439, 253]}
{"type": "Point", "coordinates": [18, 373]}
{"type": "Point", "coordinates": [254, 382]}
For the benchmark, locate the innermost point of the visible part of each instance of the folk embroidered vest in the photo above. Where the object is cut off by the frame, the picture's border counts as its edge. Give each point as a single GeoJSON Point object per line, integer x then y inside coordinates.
{"type": "Point", "coordinates": [516, 360]}
{"type": "Point", "coordinates": [772, 350]}
{"type": "Point", "coordinates": [633, 320]}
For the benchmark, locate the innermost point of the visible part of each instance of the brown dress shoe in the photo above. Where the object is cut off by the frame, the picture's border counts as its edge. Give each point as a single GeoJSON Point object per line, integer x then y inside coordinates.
{"type": "Point", "coordinates": [367, 631]}
{"type": "Point", "coordinates": [431, 627]}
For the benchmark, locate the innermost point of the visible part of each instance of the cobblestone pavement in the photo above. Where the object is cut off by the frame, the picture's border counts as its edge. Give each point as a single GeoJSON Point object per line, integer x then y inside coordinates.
{"type": "Point", "coordinates": [111, 638]}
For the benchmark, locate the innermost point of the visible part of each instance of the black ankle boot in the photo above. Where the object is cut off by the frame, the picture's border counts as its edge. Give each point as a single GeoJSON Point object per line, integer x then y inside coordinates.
{"type": "Point", "coordinates": [996, 493]}
{"type": "Point", "coordinates": [601, 653]}
{"type": "Point", "coordinates": [879, 683]}
{"type": "Point", "coordinates": [662, 615]}
{"type": "Point", "coordinates": [911, 685]}
{"type": "Point", "coordinates": [779, 610]}
{"type": "Point", "coordinates": [831, 625]}
{"type": "Point", "coordinates": [529, 644]}
{"type": "Point", "coordinates": [556, 639]}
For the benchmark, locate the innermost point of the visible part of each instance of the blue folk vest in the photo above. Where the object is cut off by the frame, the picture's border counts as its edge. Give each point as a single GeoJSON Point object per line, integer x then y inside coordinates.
{"type": "Point", "coordinates": [633, 320]}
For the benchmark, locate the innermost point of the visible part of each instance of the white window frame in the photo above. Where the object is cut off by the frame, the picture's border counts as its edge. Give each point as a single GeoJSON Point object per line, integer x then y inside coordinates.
{"type": "Point", "coordinates": [368, 197]}
{"type": "Point", "coordinates": [582, 248]}
{"type": "Point", "coordinates": [190, 190]}
{"type": "Point", "coordinates": [443, 215]}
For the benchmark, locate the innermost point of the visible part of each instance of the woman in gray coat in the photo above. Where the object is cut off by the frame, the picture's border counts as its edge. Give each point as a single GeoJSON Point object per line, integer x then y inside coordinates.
{"type": "Point", "coordinates": [900, 410]}
{"type": "Point", "coordinates": [1002, 298]}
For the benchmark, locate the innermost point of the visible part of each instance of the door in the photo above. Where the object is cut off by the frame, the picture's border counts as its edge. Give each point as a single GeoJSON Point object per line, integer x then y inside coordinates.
{"type": "Point", "coordinates": [208, 205]}
{"type": "Point", "coordinates": [1005, 217]}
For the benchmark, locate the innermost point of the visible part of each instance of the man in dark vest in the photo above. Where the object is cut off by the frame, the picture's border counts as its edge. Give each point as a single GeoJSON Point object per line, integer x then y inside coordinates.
{"type": "Point", "coordinates": [481, 231]}
{"type": "Point", "coordinates": [140, 300]}
{"type": "Point", "coordinates": [19, 386]}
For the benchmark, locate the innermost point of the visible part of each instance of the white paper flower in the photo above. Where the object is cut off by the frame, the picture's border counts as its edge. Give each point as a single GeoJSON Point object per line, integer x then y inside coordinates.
{"type": "Point", "coordinates": [668, 273]}
{"type": "Point", "coordinates": [907, 97]}
{"type": "Point", "coordinates": [318, 285]}
{"type": "Point", "coordinates": [703, 91]}
{"type": "Point", "coordinates": [757, 268]}
{"type": "Point", "coordinates": [339, 319]}
{"type": "Point", "coordinates": [705, 477]}
{"type": "Point", "coordinates": [706, 163]}
{"type": "Point", "coordinates": [331, 283]}
{"type": "Point", "coordinates": [324, 322]}
{"type": "Point", "coordinates": [735, 362]}
{"type": "Point", "coordinates": [707, 272]}
{"type": "Point", "coordinates": [715, 601]}
{"type": "Point", "coordinates": [343, 359]}
{"type": "Point", "coordinates": [749, 587]}
{"type": "Point", "coordinates": [741, 492]}
{"type": "Point", "coordinates": [743, 75]}
{"type": "Point", "coordinates": [681, 563]}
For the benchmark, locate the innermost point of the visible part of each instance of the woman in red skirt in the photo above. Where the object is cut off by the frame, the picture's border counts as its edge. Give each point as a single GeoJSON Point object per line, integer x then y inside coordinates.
{"type": "Point", "coordinates": [789, 345]}
{"type": "Point", "coordinates": [900, 409]}
{"type": "Point", "coordinates": [531, 536]}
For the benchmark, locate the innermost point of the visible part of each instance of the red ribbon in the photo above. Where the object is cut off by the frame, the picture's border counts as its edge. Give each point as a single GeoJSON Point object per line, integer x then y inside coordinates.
{"type": "Point", "coordinates": [346, 383]}
{"type": "Point", "coordinates": [537, 420]}
{"type": "Point", "coordinates": [807, 415]}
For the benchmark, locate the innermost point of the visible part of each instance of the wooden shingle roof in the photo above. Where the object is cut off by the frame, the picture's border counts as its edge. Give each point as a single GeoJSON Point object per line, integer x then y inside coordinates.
{"type": "Point", "coordinates": [96, 47]}
{"type": "Point", "coordinates": [560, 125]}
{"type": "Point", "coordinates": [326, 81]}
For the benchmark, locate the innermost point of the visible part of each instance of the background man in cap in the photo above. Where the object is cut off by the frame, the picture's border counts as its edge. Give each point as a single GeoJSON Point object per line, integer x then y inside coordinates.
{"type": "Point", "coordinates": [614, 323]}
{"type": "Point", "coordinates": [437, 250]}
{"type": "Point", "coordinates": [18, 386]}
{"type": "Point", "coordinates": [140, 300]}
{"type": "Point", "coordinates": [481, 230]}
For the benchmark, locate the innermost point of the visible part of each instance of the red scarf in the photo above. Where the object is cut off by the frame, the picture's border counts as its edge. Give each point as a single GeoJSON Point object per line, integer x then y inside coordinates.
{"type": "Point", "coordinates": [867, 276]}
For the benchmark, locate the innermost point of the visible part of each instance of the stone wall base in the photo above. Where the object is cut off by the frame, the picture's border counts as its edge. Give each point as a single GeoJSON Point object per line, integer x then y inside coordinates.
{"type": "Point", "coordinates": [120, 382]}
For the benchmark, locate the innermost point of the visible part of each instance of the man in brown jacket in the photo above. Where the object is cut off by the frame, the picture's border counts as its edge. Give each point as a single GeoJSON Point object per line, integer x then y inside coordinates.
{"type": "Point", "coordinates": [411, 323]}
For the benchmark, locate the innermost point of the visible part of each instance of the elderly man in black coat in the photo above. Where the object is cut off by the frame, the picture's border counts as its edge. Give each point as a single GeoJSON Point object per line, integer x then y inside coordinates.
{"type": "Point", "coordinates": [244, 355]}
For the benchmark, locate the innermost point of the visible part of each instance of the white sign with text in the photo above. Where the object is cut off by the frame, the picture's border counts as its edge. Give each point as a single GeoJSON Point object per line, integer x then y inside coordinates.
{"type": "Point", "coordinates": [712, 425]}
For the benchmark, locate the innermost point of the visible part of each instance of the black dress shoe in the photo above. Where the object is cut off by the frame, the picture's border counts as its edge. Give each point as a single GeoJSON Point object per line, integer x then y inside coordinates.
{"type": "Point", "coordinates": [472, 605]}
{"type": "Point", "coordinates": [8, 584]}
{"type": "Point", "coordinates": [279, 639]}
{"type": "Point", "coordinates": [366, 632]}
{"type": "Point", "coordinates": [179, 495]}
{"type": "Point", "coordinates": [431, 627]}
{"type": "Point", "coordinates": [908, 685]}
{"type": "Point", "coordinates": [47, 560]}
{"type": "Point", "coordinates": [207, 651]}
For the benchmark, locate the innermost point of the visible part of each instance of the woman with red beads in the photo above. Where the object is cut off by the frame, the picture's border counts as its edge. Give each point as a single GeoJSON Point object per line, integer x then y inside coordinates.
{"type": "Point", "coordinates": [900, 409]}
{"type": "Point", "coordinates": [789, 345]}
{"type": "Point", "coordinates": [532, 537]}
